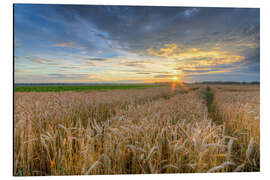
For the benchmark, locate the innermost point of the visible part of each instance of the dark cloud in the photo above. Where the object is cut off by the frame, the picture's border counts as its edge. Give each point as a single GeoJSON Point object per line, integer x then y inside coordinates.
{"type": "Point", "coordinates": [133, 64]}
{"type": "Point", "coordinates": [138, 28]}
{"type": "Point", "coordinates": [96, 59]}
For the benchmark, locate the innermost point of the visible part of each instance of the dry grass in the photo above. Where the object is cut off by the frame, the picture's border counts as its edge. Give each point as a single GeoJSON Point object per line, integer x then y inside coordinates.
{"type": "Point", "coordinates": [134, 131]}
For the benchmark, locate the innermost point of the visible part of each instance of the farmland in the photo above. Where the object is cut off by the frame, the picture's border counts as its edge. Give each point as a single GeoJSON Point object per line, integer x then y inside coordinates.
{"type": "Point", "coordinates": [58, 88]}
{"type": "Point", "coordinates": [199, 128]}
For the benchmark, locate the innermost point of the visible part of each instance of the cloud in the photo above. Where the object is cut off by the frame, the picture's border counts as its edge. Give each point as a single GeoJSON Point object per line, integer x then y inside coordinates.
{"type": "Point", "coordinates": [139, 64]}
{"type": "Point", "coordinates": [18, 57]}
{"type": "Point", "coordinates": [69, 76]}
{"type": "Point", "coordinates": [92, 61]}
{"type": "Point", "coordinates": [70, 67]}
{"type": "Point", "coordinates": [164, 76]}
{"type": "Point", "coordinates": [133, 64]}
{"type": "Point", "coordinates": [143, 73]}
{"type": "Point", "coordinates": [194, 61]}
{"type": "Point", "coordinates": [65, 44]}
{"type": "Point", "coordinates": [212, 71]}
{"type": "Point", "coordinates": [96, 59]}
{"type": "Point", "coordinates": [190, 12]}
{"type": "Point", "coordinates": [194, 56]}
{"type": "Point", "coordinates": [19, 70]}
{"type": "Point", "coordinates": [44, 61]}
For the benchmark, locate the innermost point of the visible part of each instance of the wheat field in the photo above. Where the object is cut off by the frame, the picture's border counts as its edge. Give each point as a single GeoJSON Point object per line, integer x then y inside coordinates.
{"type": "Point", "coordinates": [196, 129]}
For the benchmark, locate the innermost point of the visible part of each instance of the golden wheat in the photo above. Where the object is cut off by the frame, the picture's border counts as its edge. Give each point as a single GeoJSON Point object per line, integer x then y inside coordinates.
{"type": "Point", "coordinates": [135, 131]}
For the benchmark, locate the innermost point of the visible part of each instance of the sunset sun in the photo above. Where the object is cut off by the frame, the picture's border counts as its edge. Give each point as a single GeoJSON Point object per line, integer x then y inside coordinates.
{"type": "Point", "coordinates": [175, 78]}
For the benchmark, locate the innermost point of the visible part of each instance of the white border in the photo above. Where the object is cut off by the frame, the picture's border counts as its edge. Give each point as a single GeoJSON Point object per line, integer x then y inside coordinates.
{"type": "Point", "coordinates": [208, 3]}
{"type": "Point", "coordinates": [6, 84]}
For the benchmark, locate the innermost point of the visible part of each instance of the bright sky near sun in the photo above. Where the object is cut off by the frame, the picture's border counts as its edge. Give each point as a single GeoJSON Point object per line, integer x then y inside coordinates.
{"type": "Point", "coordinates": [66, 43]}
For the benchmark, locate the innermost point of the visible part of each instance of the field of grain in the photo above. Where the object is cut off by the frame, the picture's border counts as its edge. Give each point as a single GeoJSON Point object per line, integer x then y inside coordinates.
{"type": "Point", "coordinates": [199, 128]}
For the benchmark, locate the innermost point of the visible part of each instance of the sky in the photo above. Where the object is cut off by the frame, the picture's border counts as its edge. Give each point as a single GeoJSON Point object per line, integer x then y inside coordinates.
{"type": "Point", "coordinates": [135, 44]}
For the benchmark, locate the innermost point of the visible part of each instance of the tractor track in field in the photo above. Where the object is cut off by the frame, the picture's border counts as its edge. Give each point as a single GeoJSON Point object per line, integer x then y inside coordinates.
{"type": "Point", "coordinates": [213, 112]}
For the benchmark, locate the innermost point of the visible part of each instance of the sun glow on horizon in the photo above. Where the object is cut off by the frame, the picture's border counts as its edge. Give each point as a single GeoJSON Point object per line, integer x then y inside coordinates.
{"type": "Point", "coordinates": [177, 80]}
